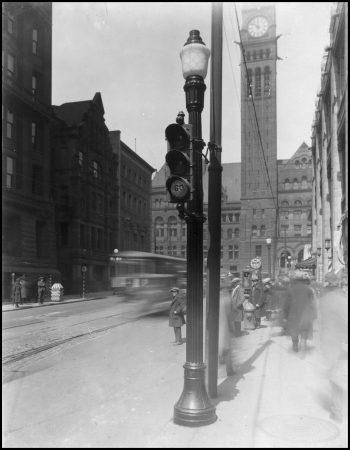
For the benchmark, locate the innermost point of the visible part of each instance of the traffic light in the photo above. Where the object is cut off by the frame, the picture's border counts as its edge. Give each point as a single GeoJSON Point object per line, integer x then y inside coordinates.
{"type": "Point", "coordinates": [179, 161]}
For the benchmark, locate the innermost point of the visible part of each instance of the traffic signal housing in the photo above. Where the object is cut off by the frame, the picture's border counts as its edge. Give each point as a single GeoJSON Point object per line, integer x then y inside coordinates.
{"type": "Point", "coordinates": [179, 161]}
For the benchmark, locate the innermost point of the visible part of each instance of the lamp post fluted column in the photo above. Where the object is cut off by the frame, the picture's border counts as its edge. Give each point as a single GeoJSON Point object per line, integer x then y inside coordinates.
{"type": "Point", "coordinates": [193, 407]}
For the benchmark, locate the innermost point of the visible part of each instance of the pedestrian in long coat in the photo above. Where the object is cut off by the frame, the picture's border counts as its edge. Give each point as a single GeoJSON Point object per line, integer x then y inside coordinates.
{"type": "Point", "coordinates": [237, 300]}
{"type": "Point", "coordinates": [41, 290]}
{"type": "Point", "coordinates": [226, 330]}
{"type": "Point", "coordinates": [177, 313]}
{"type": "Point", "coordinates": [16, 292]}
{"type": "Point", "coordinates": [259, 301]}
{"type": "Point", "coordinates": [300, 311]}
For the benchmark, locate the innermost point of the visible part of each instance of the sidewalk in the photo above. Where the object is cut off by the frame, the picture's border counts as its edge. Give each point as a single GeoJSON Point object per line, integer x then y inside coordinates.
{"type": "Point", "coordinates": [8, 306]}
{"type": "Point", "coordinates": [119, 388]}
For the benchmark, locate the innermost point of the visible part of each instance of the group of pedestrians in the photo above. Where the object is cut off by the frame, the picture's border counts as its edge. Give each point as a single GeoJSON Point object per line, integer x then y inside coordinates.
{"type": "Point", "coordinates": [19, 288]}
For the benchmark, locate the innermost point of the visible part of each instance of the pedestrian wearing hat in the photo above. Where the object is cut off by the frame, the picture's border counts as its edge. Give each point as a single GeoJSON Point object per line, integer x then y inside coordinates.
{"type": "Point", "coordinates": [334, 342]}
{"type": "Point", "coordinates": [41, 290]}
{"type": "Point", "coordinates": [177, 313]}
{"type": "Point", "coordinates": [237, 300]}
{"type": "Point", "coordinates": [259, 301]}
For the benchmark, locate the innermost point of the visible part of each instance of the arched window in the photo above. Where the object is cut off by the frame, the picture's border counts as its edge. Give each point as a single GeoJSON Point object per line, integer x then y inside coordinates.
{"type": "Point", "coordinates": [297, 164]}
{"type": "Point", "coordinates": [261, 54]}
{"type": "Point", "coordinates": [229, 233]}
{"type": "Point", "coordinates": [303, 163]}
{"type": "Point", "coordinates": [286, 184]}
{"type": "Point", "coordinates": [295, 183]}
{"type": "Point", "coordinates": [297, 203]}
{"type": "Point", "coordinates": [285, 203]}
{"type": "Point", "coordinates": [267, 80]}
{"type": "Point", "coordinates": [96, 169]}
{"type": "Point", "coordinates": [262, 230]}
{"type": "Point", "coordinates": [258, 82]}
{"type": "Point", "coordinates": [159, 225]}
{"type": "Point", "coordinates": [254, 54]}
{"type": "Point", "coordinates": [247, 56]}
{"type": "Point", "coordinates": [304, 183]}
{"type": "Point", "coordinates": [254, 231]}
{"type": "Point", "coordinates": [236, 232]}
{"type": "Point", "coordinates": [172, 227]}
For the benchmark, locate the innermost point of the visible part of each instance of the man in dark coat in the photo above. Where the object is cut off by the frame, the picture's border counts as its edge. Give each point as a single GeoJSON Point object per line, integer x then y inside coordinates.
{"type": "Point", "coordinates": [258, 300]}
{"type": "Point", "coordinates": [41, 290]}
{"type": "Point", "coordinates": [177, 313]}
{"type": "Point", "coordinates": [300, 311]}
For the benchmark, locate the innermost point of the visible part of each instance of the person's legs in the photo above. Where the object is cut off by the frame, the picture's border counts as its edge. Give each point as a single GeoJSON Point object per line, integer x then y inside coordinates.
{"type": "Point", "coordinates": [228, 362]}
{"type": "Point", "coordinates": [238, 330]}
{"type": "Point", "coordinates": [295, 341]}
{"type": "Point", "coordinates": [178, 338]}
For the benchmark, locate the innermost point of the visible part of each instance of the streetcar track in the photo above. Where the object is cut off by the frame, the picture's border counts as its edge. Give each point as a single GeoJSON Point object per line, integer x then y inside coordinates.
{"type": "Point", "coordinates": [34, 351]}
{"type": "Point", "coordinates": [23, 325]}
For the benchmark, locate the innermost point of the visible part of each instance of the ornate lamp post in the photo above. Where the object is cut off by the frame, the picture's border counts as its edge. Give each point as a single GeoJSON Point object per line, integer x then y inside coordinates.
{"type": "Point", "coordinates": [193, 407]}
{"type": "Point", "coordinates": [268, 242]}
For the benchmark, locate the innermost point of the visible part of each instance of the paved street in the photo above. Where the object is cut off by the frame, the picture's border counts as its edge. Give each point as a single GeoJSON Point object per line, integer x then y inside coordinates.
{"type": "Point", "coordinates": [116, 387]}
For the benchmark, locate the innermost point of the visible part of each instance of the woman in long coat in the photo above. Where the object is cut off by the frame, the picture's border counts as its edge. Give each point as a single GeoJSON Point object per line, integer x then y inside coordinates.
{"type": "Point", "coordinates": [177, 313]}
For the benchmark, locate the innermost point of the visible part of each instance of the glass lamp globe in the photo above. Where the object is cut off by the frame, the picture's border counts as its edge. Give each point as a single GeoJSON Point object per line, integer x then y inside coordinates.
{"type": "Point", "coordinates": [194, 56]}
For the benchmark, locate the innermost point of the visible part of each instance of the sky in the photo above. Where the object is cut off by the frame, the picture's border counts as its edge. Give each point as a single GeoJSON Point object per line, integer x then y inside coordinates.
{"type": "Point", "coordinates": [129, 52]}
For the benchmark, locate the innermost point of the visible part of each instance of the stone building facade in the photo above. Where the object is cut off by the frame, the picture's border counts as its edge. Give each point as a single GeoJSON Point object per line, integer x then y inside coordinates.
{"type": "Point", "coordinates": [29, 245]}
{"type": "Point", "coordinates": [330, 151]}
{"type": "Point", "coordinates": [294, 224]}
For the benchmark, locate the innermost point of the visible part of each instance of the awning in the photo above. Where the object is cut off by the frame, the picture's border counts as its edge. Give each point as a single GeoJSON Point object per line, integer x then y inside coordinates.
{"type": "Point", "coordinates": [306, 264]}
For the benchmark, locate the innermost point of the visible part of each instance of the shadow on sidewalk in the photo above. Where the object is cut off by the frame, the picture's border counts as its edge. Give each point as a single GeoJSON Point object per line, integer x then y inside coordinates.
{"type": "Point", "coordinates": [227, 389]}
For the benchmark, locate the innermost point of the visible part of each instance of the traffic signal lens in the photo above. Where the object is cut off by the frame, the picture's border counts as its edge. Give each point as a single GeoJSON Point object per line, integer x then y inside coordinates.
{"type": "Point", "coordinates": [178, 162]}
{"type": "Point", "coordinates": [177, 136]}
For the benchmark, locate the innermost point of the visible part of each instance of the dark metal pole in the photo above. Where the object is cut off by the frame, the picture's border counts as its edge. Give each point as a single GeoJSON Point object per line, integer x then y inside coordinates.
{"type": "Point", "coordinates": [269, 258]}
{"type": "Point", "coordinates": [193, 407]}
{"type": "Point", "coordinates": [214, 200]}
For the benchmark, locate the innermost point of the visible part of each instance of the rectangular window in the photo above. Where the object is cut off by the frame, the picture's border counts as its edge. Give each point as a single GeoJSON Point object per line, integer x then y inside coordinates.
{"type": "Point", "coordinates": [237, 218]}
{"type": "Point", "coordinates": [82, 236]}
{"type": "Point", "coordinates": [37, 180]}
{"type": "Point", "coordinates": [10, 172]}
{"type": "Point", "coordinates": [10, 23]}
{"type": "Point", "coordinates": [230, 252]}
{"type": "Point", "coordinates": [12, 240]}
{"type": "Point", "coordinates": [10, 65]}
{"type": "Point", "coordinates": [41, 239]}
{"type": "Point", "coordinates": [258, 250]}
{"type": "Point", "coordinates": [9, 125]}
{"type": "Point", "coordinates": [35, 41]}
{"type": "Point", "coordinates": [236, 252]}
{"type": "Point", "coordinates": [34, 135]}
{"type": "Point", "coordinates": [99, 238]}
{"type": "Point", "coordinates": [64, 233]}
{"type": "Point", "coordinates": [34, 86]}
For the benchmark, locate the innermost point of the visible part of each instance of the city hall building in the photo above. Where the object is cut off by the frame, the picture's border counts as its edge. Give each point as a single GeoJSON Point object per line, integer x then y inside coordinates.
{"type": "Point", "coordinates": [262, 197]}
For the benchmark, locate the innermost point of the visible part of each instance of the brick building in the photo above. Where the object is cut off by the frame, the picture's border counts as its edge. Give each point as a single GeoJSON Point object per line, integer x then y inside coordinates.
{"type": "Point", "coordinates": [134, 216]}
{"type": "Point", "coordinates": [28, 238]}
{"type": "Point", "coordinates": [101, 191]}
{"type": "Point", "coordinates": [330, 151]}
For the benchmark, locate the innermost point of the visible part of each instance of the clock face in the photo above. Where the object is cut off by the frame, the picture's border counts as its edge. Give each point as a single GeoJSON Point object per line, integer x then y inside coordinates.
{"type": "Point", "coordinates": [258, 26]}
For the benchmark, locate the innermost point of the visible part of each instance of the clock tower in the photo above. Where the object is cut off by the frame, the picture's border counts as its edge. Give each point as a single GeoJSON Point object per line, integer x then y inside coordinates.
{"type": "Point", "coordinates": [258, 133]}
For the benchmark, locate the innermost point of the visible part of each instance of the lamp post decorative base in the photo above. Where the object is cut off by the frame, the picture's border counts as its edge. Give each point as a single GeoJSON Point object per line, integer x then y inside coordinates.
{"type": "Point", "coordinates": [193, 407]}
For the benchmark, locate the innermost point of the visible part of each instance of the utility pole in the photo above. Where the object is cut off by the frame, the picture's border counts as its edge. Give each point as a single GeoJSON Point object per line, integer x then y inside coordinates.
{"type": "Point", "coordinates": [214, 201]}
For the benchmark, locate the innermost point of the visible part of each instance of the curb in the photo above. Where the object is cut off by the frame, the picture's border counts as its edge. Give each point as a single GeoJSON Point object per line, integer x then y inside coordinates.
{"type": "Point", "coordinates": [53, 304]}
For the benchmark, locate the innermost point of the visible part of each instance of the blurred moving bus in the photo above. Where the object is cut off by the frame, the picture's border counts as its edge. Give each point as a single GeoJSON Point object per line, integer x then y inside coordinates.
{"type": "Point", "coordinates": [146, 278]}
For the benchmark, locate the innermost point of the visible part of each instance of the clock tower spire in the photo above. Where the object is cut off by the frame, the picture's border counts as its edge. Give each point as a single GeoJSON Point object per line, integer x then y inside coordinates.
{"type": "Point", "coordinates": [258, 131]}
